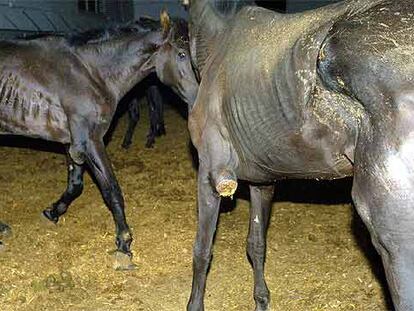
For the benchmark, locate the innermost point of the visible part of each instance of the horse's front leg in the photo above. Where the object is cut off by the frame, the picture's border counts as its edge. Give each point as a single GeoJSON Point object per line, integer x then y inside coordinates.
{"type": "Point", "coordinates": [74, 190]}
{"type": "Point", "coordinates": [216, 179]}
{"type": "Point", "coordinates": [100, 166]}
{"type": "Point", "coordinates": [208, 211]}
{"type": "Point", "coordinates": [261, 202]}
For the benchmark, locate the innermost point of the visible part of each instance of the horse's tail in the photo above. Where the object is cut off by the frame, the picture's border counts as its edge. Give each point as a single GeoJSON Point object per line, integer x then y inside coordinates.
{"type": "Point", "coordinates": [208, 19]}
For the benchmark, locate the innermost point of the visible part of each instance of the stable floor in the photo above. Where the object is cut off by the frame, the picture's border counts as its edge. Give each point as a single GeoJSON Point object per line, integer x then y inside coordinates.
{"type": "Point", "coordinates": [319, 254]}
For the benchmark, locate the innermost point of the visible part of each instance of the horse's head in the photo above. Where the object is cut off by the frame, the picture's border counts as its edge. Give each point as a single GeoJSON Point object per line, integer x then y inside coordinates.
{"type": "Point", "coordinates": [172, 60]}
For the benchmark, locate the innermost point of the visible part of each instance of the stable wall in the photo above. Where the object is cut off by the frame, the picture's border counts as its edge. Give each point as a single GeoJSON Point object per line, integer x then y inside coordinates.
{"type": "Point", "coordinates": [18, 17]}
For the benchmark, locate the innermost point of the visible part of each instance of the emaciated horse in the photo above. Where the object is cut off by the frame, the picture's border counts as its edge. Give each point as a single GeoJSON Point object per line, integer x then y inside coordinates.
{"type": "Point", "coordinates": [66, 91]}
{"type": "Point", "coordinates": [326, 94]}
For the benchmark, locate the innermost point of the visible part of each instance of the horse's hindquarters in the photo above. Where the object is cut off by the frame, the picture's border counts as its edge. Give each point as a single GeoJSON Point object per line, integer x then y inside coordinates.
{"type": "Point", "coordinates": [370, 56]}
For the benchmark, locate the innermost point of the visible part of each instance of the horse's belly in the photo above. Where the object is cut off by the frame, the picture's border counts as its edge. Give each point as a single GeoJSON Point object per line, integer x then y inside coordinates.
{"type": "Point", "coordinates": [293, 162]}
{"type": "Point", "coordinates": [318, 144]}
{"type": "Point", "coordinates": [321, 164]}
{"type": "Point", "coordinates": [37, 119]}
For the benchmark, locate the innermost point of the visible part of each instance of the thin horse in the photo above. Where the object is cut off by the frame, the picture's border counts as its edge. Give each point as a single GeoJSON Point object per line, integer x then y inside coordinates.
{"type": "Point", "coordinates": [326, 94]}
{"type": "Point", "coordinates": [67, 91]}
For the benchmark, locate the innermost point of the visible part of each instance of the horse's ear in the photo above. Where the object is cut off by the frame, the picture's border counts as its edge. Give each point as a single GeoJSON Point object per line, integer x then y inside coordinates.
{"type": "Point", "coordinates": [165, 22]}
{"type": "Point", "coordinates": [185, 3]}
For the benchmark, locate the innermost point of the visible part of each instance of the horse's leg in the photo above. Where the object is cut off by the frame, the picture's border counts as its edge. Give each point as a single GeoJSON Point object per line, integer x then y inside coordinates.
{"type": "Point", "coordinates": [261, 202]}
{"type": "Point", "coordinates": [155, 106]}
{"type": "Point", "coordinates": [133, 118]}
{"type": "Point", "coordinates": [73, 190]}
{"type": "Point", "coordinates": [159, 108]}
{"type": "Point", "coordinates": [216, 178]}
{"type": "Point", "coordinates": [383, 195]}
{"type": "Point", "coordinates": [100, 165]}
{"type": "Point", "coordinates": [208, 211]}
{"type": "Point", "coordinates": [5, 231]}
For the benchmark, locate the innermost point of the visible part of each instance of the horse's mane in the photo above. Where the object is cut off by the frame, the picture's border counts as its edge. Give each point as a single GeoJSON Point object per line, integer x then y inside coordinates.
{"type": "Point", "coordinates": [101, 35]}
{"type": "Point", "coordinates": [141, 26]}
{"type": "Point", "coordinates": [85, 36]}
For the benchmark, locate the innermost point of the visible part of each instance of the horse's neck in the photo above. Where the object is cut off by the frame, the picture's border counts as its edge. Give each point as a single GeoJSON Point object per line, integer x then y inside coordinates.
{"type": "Point", "coordinates": [206, 10]}
{"type": "Point", "coordinates": [118, 65]}
{"type": "Point", "coordinates": [207, 20]}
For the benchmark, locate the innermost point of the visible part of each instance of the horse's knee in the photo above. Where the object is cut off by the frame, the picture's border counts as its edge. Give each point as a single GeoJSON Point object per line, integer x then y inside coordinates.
{"type": "Point", "coordinates": [77, 153]}
{"type": "Point", "coordinates": [201, 256]}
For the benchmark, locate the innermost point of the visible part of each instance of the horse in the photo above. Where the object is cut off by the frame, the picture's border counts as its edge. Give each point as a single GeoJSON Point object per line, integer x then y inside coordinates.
{"type": "Point", "coordinates": [325, 94]}
{"type": "Point", "coordinates": [66, 90]}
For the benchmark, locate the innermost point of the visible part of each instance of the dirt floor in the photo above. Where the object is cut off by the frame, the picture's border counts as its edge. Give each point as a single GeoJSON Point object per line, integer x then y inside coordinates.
{"type": "Point", "coordinates": [319, 256]}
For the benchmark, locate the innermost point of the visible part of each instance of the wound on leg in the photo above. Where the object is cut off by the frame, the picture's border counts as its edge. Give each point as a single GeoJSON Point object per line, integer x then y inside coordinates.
{"type": "Point", "coordinates": [226, 183]}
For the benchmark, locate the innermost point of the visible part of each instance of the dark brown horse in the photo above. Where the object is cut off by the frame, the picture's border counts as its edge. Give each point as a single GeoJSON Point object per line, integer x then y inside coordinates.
{"type": "Point", "coordinates": [67, 90]}
{"type": "Point", "coordinates": [326, 94]}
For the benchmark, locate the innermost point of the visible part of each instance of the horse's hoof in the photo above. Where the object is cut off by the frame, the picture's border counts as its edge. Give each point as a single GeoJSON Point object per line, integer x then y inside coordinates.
{"type": "Point", "coordinates": [262, 308]}
{"type": "Point", "coordinates": [149, 144]}
{"type": "Point", "coordinates": [161, 131]}
{"type": "Point", "coordinates": [123, 262]}
{"type": "Point", "coordinates": [47, 215]}
{"type": "Point", "coordinates": [262, 303]}
{"type": "Point", "coordinates": [5, 230]}
{"type": "Point", "coordinates": [126, 145]}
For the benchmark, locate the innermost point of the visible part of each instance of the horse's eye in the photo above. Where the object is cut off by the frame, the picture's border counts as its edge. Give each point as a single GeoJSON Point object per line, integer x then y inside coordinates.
{"type": "Point", "coordinates": [182, 55]}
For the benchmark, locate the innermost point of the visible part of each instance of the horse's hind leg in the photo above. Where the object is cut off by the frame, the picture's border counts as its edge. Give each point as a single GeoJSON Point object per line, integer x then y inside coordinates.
{"type": "Point", "coordinates": [100, 166]}
{"type": "Point", "coordinates": [261, 201]}
{"type": "Point", "coordinates": [133, 118]}
{"type": "Point", "coordinates": [158, 102]}
{"type": "Point", "coordinates": [383, 195]}
{"type": "Point", "coordinates": [74, 189]}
